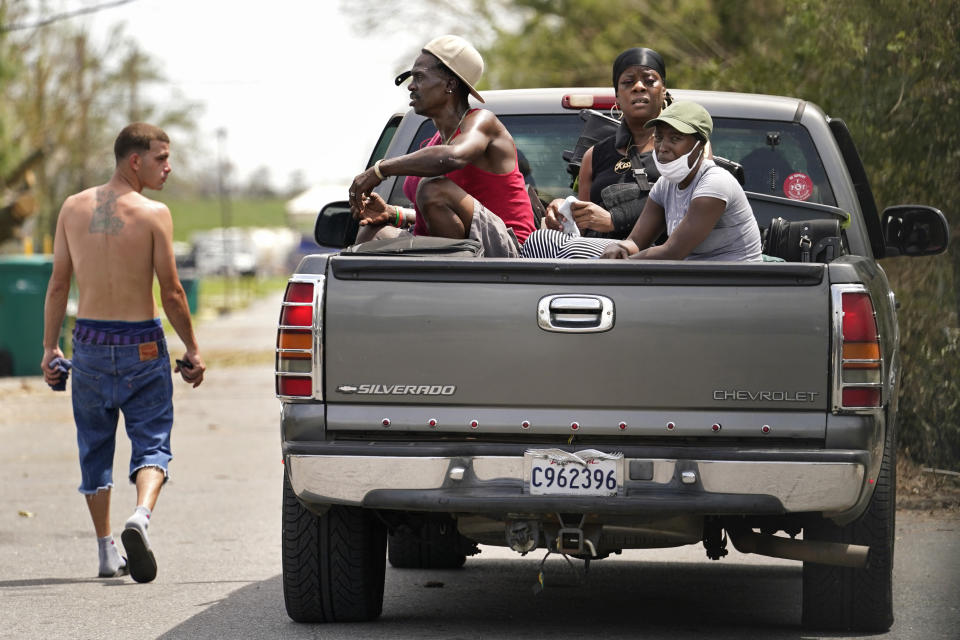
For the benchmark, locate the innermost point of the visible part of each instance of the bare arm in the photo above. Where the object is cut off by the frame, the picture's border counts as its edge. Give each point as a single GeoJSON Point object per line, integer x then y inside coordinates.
{"type": "Point", "coordinates": [55, 304]}
{"type": "Point", "coordinates": [586, 214]}
{"type": "Point", "coordinates": [701, 217]}
{"type": "Point", "coordinates": [589, 215]}
{"type": "Point", "coordinates": [551, 219]}
{"type": "Point", "coordinates": [586, 176]}
{"type": "Point", "coordinates": [376, 211]}
{"type": "Point", "coordinates": [648, 228]}
{"type": "Point", "coordinates": [477, 132]}
{"type": "Point", "coordinates": [173, 297]}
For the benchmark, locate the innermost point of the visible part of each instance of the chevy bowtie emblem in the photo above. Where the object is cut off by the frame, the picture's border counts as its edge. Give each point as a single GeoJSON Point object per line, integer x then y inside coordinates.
{"type": "Point", "coordinates": [346, 388]}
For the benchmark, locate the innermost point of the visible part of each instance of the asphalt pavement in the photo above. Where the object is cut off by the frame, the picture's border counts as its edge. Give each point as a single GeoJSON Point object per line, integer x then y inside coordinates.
{"type": "Point", "coordinates": [237, 337]}
{"type": "Point", "coordinates": [216, 535]}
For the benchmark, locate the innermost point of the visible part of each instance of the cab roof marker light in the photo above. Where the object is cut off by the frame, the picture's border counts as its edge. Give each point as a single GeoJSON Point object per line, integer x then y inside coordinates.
{"type": "Point", "coordinates": [588, 101]}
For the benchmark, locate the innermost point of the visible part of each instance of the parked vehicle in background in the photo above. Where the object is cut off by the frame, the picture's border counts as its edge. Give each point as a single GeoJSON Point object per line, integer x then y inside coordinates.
{"type": "Point", "coordinates": [224, 252]}
{"type": "Point", "coordinates": [244, 251]}
{"type": "Point", "coordinates": [582, 407]}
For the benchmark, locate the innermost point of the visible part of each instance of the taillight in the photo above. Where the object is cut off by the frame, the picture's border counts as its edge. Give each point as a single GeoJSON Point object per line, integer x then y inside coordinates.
{"type": "Point", "coordinates": [858, 364]}
{"type": "Point", "coordinates": [301, 292]}
{"type": "Point", "coordinates": [295, 387]}
{"type": "Point", "coordinates": [587, 101]}
{"type": "Point", "coordinates": [297, 368]}
{"type": "Point", "coordinates": [861, 397]}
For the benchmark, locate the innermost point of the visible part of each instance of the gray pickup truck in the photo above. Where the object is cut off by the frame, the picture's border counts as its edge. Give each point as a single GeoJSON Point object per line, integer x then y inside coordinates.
{"type": "Point", "coordinates": [431, 403]}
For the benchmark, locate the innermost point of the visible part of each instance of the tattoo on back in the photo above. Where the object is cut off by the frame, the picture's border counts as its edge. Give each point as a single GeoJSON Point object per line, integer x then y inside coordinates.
{"type": "Point", "coordinates": [105, 218]}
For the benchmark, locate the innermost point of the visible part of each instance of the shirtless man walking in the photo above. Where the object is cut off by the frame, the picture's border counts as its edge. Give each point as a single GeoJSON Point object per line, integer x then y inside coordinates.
{"type": "Point", "coordinates": [113, 240]}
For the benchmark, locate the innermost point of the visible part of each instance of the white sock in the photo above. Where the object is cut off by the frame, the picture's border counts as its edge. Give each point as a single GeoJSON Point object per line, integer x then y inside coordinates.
{"type": "Point", "coordinates": [110, 559]}
{"type": "Point", "coordinates": [140, 518]}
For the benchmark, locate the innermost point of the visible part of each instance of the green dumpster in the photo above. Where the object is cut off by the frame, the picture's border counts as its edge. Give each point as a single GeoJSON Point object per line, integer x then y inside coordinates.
{"type": "Point", "coordinates": [23, 289]}
{"type": "Point", "coordinates": [191, 286]}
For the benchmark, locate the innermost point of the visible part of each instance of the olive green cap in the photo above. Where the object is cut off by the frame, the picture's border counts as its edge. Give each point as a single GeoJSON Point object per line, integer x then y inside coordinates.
{"type": "Point", "coordinates": [685, 117]}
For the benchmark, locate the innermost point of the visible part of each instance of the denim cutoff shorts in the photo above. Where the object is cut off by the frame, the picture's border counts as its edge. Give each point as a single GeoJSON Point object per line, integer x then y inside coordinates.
{"type": "Point", "coordinates": [108, 379]}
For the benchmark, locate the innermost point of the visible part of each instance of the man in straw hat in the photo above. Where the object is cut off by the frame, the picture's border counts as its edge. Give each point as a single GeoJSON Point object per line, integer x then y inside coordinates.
{"type": "Point", "coordinates": [465, 182]}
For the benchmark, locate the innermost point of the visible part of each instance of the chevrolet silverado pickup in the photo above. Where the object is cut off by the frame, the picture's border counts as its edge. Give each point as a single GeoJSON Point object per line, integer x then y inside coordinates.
{"type": "Point", "coordinates": [435, 402]}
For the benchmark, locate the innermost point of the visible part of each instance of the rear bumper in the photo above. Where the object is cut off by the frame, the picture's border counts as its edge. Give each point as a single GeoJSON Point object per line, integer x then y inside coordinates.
{"type": "Point", "coordinates": [768, 483]}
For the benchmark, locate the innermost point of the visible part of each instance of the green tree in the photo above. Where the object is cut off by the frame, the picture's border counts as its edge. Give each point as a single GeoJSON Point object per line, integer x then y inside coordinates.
{"type": "Point", "coordinates": [10, 68]}
{"type": "Point", "coordinates": [574, 42]}
{"type": "Point", "coordinates": [889, 68]}
{"type": "Point", "coordinates": [68, 95]}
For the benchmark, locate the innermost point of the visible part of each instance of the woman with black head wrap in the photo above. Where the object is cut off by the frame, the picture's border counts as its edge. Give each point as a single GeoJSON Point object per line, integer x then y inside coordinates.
{"type": "Point", "coordinates": [616, 173]}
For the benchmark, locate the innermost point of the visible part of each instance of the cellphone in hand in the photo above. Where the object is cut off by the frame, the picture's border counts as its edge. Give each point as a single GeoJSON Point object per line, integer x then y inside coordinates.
{"type": "Point", "coordinates": [183, 364]}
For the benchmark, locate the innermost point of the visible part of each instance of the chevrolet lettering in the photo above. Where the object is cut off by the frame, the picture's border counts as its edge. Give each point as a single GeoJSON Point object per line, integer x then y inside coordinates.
{"type": "Point", "coordinates": [768, 396]}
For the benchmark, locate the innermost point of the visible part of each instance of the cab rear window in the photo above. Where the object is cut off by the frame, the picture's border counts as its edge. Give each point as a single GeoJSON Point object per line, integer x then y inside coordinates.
{"type": "Point", "coordinates": [778, 158]}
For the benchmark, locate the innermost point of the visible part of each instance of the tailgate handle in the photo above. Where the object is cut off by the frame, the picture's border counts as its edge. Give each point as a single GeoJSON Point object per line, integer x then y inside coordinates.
{"type": "Point", "coordinates": [575, 313]}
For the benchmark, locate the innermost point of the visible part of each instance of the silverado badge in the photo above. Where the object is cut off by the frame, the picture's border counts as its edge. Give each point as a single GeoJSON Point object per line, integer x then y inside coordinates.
{"type": "Point", "coordinates": [399, 389]}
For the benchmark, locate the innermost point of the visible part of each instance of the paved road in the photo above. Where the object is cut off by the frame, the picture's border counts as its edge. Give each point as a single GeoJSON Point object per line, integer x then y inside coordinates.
{"type": "Point", "coordinates": [216, 533]}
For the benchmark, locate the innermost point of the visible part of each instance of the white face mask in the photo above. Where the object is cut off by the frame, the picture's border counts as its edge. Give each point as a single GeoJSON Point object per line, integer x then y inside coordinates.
{"type": "Point", "coordinates": [676, 170]}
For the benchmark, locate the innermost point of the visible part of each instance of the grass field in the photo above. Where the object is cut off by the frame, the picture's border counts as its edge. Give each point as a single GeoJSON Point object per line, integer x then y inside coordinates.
{"type": "Point", "coordinates": [192, 215]}
{"type": "Point", "coordinates": [217, 293]}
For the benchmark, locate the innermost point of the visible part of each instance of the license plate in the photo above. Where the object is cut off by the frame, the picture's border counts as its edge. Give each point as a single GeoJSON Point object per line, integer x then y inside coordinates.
{"type": "Point", "coordinates": [578, 474]}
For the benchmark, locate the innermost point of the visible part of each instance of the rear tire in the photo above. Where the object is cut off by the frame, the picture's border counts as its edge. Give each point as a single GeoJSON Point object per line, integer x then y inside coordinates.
{"type": "Point", "coordinates": [333, 565]}
{"type": "Point", "coordinates": [840, 598]}
{"type": "Point", "coordinates": [435, 545]}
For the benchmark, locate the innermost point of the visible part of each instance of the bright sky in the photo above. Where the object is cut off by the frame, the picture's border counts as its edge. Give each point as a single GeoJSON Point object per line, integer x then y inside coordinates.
{"type": "Point", "coordinates": [290, 81]}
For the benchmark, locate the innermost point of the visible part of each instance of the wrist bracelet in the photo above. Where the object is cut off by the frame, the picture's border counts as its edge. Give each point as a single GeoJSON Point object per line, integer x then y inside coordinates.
{"type": "Point", "coordinates": [376, 169]}
{"type": "Point", "coordinates": [396, 210]}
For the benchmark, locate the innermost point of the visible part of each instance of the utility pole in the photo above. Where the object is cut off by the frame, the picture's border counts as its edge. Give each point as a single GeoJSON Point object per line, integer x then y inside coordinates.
{"type": "Point", "coordinates": [225, 218]}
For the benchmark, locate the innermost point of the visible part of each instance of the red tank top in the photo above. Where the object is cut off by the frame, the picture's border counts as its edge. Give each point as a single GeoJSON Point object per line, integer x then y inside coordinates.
{"type": "Point", "coordinates": [504, 194]}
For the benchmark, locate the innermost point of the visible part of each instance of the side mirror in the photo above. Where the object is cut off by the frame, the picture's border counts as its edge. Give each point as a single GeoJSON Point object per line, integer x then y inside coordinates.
{"type": "Point", "coordinates": [914, 230]}
{"type": "Point", "coordinates": [335, 226]}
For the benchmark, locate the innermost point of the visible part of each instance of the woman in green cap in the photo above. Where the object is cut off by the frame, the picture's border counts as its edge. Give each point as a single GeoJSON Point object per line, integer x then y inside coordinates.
{"type": "Point", "coordinates": [701, 206]}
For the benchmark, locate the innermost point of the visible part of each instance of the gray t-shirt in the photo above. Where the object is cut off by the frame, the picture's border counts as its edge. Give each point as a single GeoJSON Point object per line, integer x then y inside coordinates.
{"type": "Point", "coordinates": [736, 235]}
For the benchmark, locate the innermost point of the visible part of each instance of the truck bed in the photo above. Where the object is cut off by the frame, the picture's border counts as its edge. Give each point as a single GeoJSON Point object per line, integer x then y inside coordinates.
{"type": "Point", "coordinates": [480, 353]}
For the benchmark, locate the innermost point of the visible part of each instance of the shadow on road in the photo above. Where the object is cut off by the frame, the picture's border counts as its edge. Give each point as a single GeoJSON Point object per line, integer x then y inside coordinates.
{"type": "Point", "coordinates": [495, 599]}
{"type": "Point", "coordinates": [52, 582]}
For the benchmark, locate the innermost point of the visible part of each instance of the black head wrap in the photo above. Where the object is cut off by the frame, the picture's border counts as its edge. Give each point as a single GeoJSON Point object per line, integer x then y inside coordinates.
{"type": "Point", "coordinates": [638, 56]}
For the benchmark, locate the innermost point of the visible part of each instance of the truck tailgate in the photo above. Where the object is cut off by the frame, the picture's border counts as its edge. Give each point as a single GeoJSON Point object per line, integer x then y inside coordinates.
{"type": "Point", "coordinates": [683, 335]}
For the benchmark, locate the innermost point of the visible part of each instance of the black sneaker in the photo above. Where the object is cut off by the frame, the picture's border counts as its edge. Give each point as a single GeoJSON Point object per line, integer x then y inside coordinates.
{"type": "Point", "coordinates": [140, 560]}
